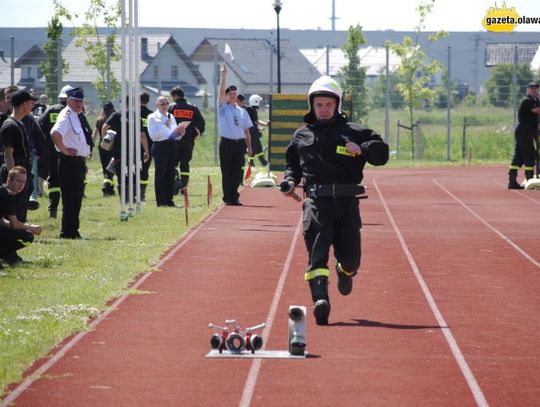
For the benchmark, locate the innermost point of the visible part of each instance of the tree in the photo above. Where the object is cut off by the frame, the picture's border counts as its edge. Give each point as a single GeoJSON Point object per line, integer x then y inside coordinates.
{"type": "Point", "coordinates": [53, 52]}
{"type": "Point", "coordinates": [95, 44]}
{"type": "Point", "coordinates": [416, 73]}
{"type": "Point", "coordinates": [499, 84]}
{"type": "Point", "coordinates": [353, 75]}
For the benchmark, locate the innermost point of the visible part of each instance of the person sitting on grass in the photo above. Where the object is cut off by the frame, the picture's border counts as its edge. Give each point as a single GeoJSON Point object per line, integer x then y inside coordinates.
{"type": "Point", "coordinates": [14, 235]}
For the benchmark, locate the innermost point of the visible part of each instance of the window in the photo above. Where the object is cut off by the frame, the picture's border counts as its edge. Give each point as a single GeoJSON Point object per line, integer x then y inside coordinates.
{"type": "Point", "coordinates": [28, 71]}
{"type": "Point", "coordinates": [174, 72]}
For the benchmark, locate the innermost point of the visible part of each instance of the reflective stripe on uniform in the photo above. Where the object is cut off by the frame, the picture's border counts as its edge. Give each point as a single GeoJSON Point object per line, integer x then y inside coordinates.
{"type": "Point", "coordinates": [310, 275]}
{"type": "Point", "coordinates": [514, 167]}
{"type": "Point", "coordinates": [347, 273]}
{"type": "Point", "coordinates": [529, 168]}
{"type": "Point", "coordinates": [108, 181]}
{"type": "Point", "coordinates": [185, 174]}
{"type": "Point", "coordinates": [144, 182]}
{"type": "Point", "coordinates": [54, 189]}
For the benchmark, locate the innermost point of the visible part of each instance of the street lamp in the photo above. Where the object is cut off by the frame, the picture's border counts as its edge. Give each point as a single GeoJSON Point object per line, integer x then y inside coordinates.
{"type": "Point", "coordinates": [277, 7]}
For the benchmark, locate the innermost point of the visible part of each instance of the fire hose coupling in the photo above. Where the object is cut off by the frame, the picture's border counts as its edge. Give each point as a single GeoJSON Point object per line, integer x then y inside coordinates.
{"type": "Point", "coordinates": [287, 187]}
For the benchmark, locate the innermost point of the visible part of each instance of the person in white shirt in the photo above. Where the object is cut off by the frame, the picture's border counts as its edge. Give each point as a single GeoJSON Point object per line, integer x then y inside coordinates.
{"type": "Point", "coordinates": [71, 142]}
{"type": "Point", "coordinates": [164, 132]}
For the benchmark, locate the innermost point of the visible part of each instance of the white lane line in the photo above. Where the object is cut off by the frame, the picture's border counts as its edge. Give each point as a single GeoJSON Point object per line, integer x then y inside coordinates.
{"type": "Point", "coordinates": [502, 236]}
{"type": "Point", "coordinates": [519, 192]}
{"type": "Point", "coordinates": [251, 379]}
{"type": "Point", "coordinates": [452, 343]}
{"type": "Point", "coordinates": [77, 338]}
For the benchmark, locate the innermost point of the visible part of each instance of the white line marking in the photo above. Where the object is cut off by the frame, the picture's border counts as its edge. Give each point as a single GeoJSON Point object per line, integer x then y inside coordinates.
{"type": "Point", "coordinates": [518, 191]}
{"type": "Point", "coordinates": [251, 380]}
{"type": "Point", "coordinates": [452, 343]}
{"type": "Point", "coordinates": [503, 237]}
{"type": "Point", "coordinates": [77, 338]}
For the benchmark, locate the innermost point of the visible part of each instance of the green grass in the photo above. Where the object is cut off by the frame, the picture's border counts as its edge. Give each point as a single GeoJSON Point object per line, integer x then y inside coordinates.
{"type": "Point", "coordinates": [66, 283]}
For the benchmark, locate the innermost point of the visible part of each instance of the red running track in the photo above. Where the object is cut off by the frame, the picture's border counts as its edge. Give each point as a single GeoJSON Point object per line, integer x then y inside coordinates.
{"type": "Point", "coordinates": [445, 310]}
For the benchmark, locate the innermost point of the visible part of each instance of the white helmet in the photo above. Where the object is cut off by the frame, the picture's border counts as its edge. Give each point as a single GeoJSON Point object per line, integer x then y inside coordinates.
{"type": "Point", "coordinates": [255, 100]}
{"type": "Point", "coordinates": [325, 86]}
{"type": "Point", "coordinates": [62, 94]}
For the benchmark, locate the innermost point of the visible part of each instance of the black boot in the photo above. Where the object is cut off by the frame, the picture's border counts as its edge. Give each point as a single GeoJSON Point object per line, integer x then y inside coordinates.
{"type": "Point", "coordinates": [321, 302]}
{"type": "Point", "coordinates": [345, 281]}
{"type": "Point", "coordinates": [143, 192]}
{"type": "Point", "coordinates": [512, 180]}
{"type": "Point", "coordinates": [529, 174]}
{"type": "Point", "coordinates": [54, 199]}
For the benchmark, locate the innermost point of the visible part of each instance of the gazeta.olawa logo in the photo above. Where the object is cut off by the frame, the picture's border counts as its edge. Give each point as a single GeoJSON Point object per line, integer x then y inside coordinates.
{"type": "Point", "coordinates": [505, 19]}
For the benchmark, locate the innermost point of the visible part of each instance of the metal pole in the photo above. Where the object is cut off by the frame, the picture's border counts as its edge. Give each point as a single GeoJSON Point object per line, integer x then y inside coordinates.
{"type": "Point", "coordinates": [448, 107]}
{"type": "Point", "coordinates": [216, 84]}
{"type": "Point", "coordinates": [137, 106]}
{"type": "Point", "coordinates": [59, 66]}
{"type": "Point", "coordinates": [12, 59]}
{"type": "Point", "coordinates": [514, 84]}
{"type": "Point", "coordinates": [277, 8]}
{"type": "Point", "coordinates": [271, 82]}
{"type": "Point", "coordinates": [108, 62]}
{"type": "Point", "coordinates": [131, 115]}
{"type": "Point", "coordinates": [387, 98]}
{"type": "Point", "coordinates": [328, 59]}
{"type": "Point", "coordinates": [123, 111]}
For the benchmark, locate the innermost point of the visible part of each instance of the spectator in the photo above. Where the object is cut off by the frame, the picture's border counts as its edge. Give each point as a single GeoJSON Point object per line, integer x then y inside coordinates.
{"type": "Point", "coordinates": [105, 156]}
{"type": "Point", "coordinates": [74, 147]}
{"type": "Point", "coordinates": [256, 145]}
{"type": "Point", "coordinates": [114, 122]}
{"type": "Point", "coordinates": [16, 144]}
{"type": "Point", "coordinates": [164, 133]}
{"type": "Point", "coordinates": [46, 122]}
{"type": "Point", "coordinates": [145, 171]}
{"type": "Point", "coordinates": [184, 111]}
{"type": "Point", "coordinates": [14, 235]}
{"type": "Point", "coordinates": [524, 135]}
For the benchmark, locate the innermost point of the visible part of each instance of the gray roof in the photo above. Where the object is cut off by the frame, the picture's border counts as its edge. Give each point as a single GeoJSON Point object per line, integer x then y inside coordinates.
{"type": "Point", "coordinates": [33, 56]}
{"type": "Point", "coordinates": [503, 53]}
{"type": "Point", "coordinates": [80, 72]}
{"type": "Point", "coordinates": [252, 59]}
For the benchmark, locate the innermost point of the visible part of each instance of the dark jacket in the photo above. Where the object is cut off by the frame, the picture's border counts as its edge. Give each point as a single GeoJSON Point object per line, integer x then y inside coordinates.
{"type": "Point", "coordinates": [183, 111]}
{"type": "Point", "coordinates": [317, 152]}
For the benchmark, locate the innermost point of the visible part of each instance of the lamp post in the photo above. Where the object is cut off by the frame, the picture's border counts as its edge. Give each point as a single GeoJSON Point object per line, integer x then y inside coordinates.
{"type": "Point", "coordinates": [277, 7]}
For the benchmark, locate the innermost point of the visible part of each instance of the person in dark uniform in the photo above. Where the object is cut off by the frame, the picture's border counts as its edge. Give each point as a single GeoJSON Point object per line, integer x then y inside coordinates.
{"type": "Point", "coordinates": [105, 156]}
{"type": "Point", "coordinates": [524, 135]}
{"type": "Point", "coordinates": [145, 171]}
{"type": "Point", "coordinates": [16, 144]}
{"type": "Point", "coordinates": [46, 122]}
{"type": "Point", "coordinates": [14, 234]}
{"type": "Point", "coordinates": [330, 153]}
{"type": "Point", "coordinates": [234, 124]}
{"type": "Point", "coordinates": [183, 111]}
{"type": "Point", "coordinates": [74, 145]}
{"type": "Point", "coordinates": [114, 122]}
{"type": "Point", "coordinates": [256, 145]}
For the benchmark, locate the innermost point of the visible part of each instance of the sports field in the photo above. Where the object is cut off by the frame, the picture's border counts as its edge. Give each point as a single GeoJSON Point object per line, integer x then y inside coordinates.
{"type": "Point", "coordinates": [445, 310]}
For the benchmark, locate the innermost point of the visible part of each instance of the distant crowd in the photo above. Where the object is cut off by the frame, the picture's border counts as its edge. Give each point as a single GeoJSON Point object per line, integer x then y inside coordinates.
{"type": "Point", "coordinates": [49, 144]}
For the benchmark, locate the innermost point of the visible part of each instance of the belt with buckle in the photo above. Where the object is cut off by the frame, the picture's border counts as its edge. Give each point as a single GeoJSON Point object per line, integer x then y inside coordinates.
{"type": "Point", "coordinates": [334, 190]}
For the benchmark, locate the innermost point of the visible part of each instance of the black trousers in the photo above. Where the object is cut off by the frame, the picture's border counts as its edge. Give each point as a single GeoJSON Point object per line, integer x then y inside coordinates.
{"type": "Point", "coordinates": [12, 240]}
{"type": "Point", "coordinates": [524, 149]}
{"type": "Point", "coordinates": [231, 161]}
{"type": "Point", "coordinates": [184, 154]}
{"type": "Point", "coordinates": [332, 222]}
{"type": "Point", "coordinates": [71, 171]}
{"type": "Point", "coordinates": [164, 161]}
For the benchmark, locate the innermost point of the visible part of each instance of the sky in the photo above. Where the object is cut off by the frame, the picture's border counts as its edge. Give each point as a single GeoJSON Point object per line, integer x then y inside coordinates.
{"type": "Point", "coordinates": [448, 15]}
